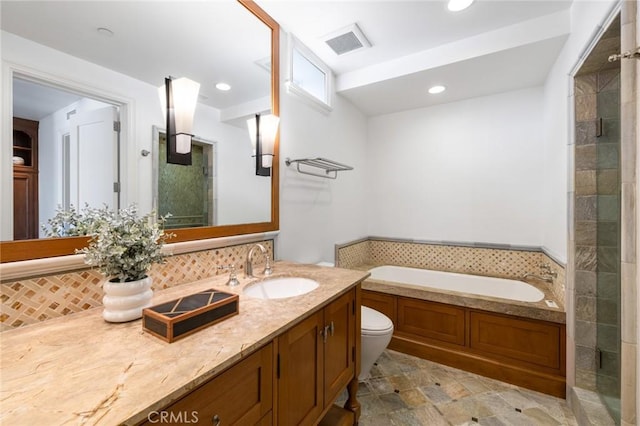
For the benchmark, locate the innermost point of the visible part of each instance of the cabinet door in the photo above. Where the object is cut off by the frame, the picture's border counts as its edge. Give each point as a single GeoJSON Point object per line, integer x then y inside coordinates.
{"type": "Point", "coordinates": [300, 384]}
{"type": "Point", "coordinates": [241, 395]}
{"type": "Point", "coordinates": [25, 205]}
{"type": "Point", "coordinates": [339, 345]}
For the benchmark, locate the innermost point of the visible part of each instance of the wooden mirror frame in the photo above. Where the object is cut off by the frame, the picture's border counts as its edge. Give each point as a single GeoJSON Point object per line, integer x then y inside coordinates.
{"type": "Point", "coordinates": [12, 251]}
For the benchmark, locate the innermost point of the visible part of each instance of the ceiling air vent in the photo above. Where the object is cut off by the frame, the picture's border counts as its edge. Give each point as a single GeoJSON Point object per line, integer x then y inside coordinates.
{"type": "Point", "coordinates": [347, 40]}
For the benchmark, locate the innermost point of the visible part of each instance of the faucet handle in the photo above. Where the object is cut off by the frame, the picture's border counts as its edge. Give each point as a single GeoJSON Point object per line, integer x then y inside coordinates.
{"type": "Point", "coordinates": [233, 278]}
{"type": "Point", "coordinates": [268, 269]}
{"type": "Point", "coordinates": [547, 268]}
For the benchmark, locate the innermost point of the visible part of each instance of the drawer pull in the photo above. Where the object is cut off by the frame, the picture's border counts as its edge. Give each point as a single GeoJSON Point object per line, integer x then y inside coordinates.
{"type": "Point", "coordinates": [215, 420]}
{"type": "Point", "coordinates": [331, 328]}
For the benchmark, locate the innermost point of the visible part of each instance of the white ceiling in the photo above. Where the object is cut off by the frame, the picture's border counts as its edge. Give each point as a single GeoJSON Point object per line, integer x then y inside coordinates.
{"type": "Point", "coordinates": [34, 101]}
{"type": "Point", "coordinates": [493, 46]}
{"type": "Point", "coordinates": [207, 41]}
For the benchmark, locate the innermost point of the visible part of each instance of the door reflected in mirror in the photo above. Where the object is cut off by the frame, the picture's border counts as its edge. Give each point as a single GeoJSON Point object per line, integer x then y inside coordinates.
{"type": "Point", "coordinates": [65, 155]}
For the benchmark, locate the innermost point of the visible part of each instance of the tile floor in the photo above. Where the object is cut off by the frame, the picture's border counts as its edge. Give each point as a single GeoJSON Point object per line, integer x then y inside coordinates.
{"type": "Point", "coordinates": [405, 390]}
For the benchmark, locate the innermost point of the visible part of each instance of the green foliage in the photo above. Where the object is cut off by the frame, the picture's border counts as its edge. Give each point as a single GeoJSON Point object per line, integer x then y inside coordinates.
{"type": "Point", "coordinates": [69, 223]}
{"type": "Point", "coordinates": [123, 246]}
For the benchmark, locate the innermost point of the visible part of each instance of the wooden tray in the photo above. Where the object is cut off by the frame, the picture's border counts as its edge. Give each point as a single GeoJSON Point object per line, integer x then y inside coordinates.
{"type": "Point", "coordinates": [178, 318]}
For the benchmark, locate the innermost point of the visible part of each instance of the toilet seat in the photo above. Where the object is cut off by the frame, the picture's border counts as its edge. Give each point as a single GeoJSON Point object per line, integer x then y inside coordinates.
{"type": "Point", "coordinates": [374, 323]}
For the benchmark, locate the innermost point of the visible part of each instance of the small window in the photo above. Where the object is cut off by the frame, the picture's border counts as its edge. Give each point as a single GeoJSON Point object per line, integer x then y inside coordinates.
{"type": "Point", "coordinates": [309, 77]}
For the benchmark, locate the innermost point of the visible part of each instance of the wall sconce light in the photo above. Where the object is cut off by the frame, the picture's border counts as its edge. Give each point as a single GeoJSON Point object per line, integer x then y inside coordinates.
{"type": "Point", "coordinates": [178, 98]}
{"type": "Point", "coordinates": [262, 131]}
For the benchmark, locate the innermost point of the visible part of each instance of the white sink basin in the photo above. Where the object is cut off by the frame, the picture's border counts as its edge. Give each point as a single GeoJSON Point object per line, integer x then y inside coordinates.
{"type": "Point", "coordinates": [280, 288]}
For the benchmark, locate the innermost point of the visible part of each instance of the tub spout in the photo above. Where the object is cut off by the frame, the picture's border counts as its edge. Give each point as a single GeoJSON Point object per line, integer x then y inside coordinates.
{"type": "Point", "coordinates": [547, 275]}
{"type": "Point", "coordinates": [545, 278]}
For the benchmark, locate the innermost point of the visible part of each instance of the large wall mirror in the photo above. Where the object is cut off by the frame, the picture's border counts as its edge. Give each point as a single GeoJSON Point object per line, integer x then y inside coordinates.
{"type": "Point", "coordinates": [70, 69]}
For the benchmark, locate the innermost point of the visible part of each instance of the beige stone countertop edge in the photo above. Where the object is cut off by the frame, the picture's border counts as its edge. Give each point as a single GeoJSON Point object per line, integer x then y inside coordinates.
{"type": "Point", "coordinates": [79, 369]}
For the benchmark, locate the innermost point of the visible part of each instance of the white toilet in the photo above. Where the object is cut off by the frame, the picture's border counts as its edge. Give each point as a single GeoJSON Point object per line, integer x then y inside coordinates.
{"type": "Point", "coordinates": [376, 333]}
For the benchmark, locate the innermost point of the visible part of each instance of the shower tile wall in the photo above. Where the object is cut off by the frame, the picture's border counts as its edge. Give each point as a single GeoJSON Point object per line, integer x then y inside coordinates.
{"type": "Point", "coordinates": [186, 208]}
{"type": "Point", "coordinates": [597, 231]}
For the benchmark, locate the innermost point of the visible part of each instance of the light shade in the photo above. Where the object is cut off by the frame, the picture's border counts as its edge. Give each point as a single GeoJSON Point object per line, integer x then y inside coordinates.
{"type": "Point", "coordinates": [262, 132]}
{"type": "Point", "coordinates": [185, 98]}
{"type": "Point", "coordinates": [178, 98]}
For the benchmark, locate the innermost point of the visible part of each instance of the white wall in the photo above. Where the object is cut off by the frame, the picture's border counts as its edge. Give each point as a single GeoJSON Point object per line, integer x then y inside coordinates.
{"type": "Point", "coordinates": [467, 171]}
{"type": "Point", "coordinates": [50, 132]}
{"type": "Point", "coordinates": [142, 113]}
{"type": "Point", "coordinates": [587, 18]}
{"type": "Point", "coordinates": [242, 196]}
{"type": "Point", "coordinates": [316, 213]}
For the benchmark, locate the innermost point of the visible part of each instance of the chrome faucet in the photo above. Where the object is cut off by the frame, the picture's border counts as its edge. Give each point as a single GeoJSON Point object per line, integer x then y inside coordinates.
{"type": "Point", "coordinates": [547, 274]}
{"type": "Point", "coordinates": [545, 278]}
{"type": "Point", "coordinates": [248, 266]}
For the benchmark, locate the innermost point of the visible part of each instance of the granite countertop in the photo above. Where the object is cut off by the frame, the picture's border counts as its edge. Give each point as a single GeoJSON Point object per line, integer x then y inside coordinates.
{"type": "Point", "coordinates": [79, 369]}
{"type": "Point", "coordinates": [534, 310]}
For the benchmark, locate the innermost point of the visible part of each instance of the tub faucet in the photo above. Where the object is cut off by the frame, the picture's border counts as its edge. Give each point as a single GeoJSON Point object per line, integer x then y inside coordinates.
{"type": "Point", "coordinates": [545, 278]}
{"type": "Point", "coordinates": [547, 274]}
{"type": "Point", "coordinates": [248, 265]}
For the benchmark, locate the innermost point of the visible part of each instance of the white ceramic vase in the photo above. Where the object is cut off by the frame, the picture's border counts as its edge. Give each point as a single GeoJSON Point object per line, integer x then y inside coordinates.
{"type": "Point", "coordinates": [125, 301]}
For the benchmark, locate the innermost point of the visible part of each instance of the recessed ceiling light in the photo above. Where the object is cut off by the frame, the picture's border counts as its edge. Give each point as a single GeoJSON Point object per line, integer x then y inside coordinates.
{"type": "Point", "coordinates": [223, 86]}
{"type": "Point", "coordinates": [106, 32]}
{"type": "Point", "coordinates": [437, 89]}
{"type": "Point", "coordinates": [458, 5]}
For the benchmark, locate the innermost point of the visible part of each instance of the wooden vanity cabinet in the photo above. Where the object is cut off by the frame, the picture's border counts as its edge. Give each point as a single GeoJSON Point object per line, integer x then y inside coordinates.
{"type": "Point", "coordinates": [241, 395]}
{"type": "Point", "coordinates": [316, 361]}
{"type": "Point", "coordinates": [299, 371]}
{"type": "Point", "coordinates": [293, 380]}
{"type": "Point", "coordinates": [25, 179]}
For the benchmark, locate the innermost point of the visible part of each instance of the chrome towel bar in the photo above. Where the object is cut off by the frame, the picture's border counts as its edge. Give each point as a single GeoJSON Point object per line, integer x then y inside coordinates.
{"type": "Point", "coordinates": [330, 167]}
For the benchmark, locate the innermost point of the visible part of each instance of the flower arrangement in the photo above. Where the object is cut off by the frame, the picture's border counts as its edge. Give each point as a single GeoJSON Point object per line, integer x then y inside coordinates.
{"type": "Point", "coordinates": [123, 246]}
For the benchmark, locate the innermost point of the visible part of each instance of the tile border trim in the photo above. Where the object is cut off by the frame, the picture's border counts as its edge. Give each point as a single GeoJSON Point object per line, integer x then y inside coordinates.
{"type": "Point", "coordinates": [476, 244]}
{"type": "Point", "coordinates": [29, 268]}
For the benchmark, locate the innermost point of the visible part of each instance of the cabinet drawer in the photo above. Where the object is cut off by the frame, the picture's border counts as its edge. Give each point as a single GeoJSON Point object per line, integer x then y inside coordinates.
{"type": "Point", "coordinates": [520, 340]}
{"type": "Point", "coordinates": [435, 321]}
{"type": "Point", "coordinates": [242, 395]}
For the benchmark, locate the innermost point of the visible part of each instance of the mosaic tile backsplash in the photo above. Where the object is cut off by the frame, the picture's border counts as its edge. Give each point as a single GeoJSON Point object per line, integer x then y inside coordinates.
{"type": "Point", "coordinates": [502, 263]}
{"type": "Point", "coordinates": [28, 301]}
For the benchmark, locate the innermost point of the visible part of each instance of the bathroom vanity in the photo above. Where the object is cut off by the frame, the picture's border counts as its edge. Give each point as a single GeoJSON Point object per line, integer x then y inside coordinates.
{"type": "Point", "coordinates": [280, 361]}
